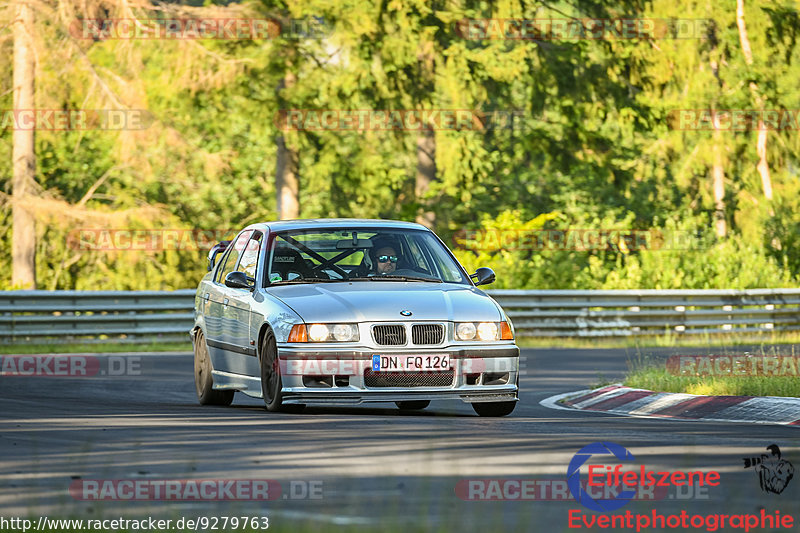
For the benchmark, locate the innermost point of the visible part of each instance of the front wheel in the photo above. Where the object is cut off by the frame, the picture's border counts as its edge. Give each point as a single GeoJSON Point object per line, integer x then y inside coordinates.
{"type": "Point", "coordinates": [494, 408]}
{"type": "Point", "coordinates": [271, 383]}
{"type": "Point", "coordinates": [203, 381]}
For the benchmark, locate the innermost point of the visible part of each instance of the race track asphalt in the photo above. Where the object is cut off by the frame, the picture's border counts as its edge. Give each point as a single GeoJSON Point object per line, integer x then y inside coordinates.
{"type": "Point", "coordinates": [372, 468]}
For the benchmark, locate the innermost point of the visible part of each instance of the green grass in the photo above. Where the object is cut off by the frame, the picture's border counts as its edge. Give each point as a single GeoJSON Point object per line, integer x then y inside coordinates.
{"type": "Point", "coordinates": [658, 379]}
{"type": "Point", "coordinates": [645, 373]}
{"type": "Point", "coordinates": [96, 347]}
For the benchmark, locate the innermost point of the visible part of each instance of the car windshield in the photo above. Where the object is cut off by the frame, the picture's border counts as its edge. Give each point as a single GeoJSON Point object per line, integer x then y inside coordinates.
{"type": "Point", "coordinates": [360, 254]}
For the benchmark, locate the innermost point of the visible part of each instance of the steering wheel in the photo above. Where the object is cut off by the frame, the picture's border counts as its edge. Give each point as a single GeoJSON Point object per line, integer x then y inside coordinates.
{"type": "Point", "coordinates": [411, 272]}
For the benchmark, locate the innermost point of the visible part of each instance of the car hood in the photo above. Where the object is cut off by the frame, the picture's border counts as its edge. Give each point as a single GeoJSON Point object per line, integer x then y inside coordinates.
{"type": "Point", "coordinates": [380, 301]}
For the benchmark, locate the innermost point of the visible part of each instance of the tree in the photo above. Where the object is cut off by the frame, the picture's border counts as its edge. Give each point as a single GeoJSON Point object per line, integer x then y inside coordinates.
{"type": "Point", "coordinates": [761, 143]}
{"type": "Point", "coordinates": [95, 178]}
{"type": "Point", "coordinates": [426, 139]}
{"type": "Point", "coordinates": [23, 254]}
{"type": "Point", "coordinates": [287, 182]}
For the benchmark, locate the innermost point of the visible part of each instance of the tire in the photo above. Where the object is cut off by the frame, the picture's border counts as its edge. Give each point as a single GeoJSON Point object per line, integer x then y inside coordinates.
{"type": "Point", "coordinates": [271, 383]}
{"type": "Point", "coordinates": [203, 381]}
{"type": "Point", "coordinates": [413, 405]}
{"type": "Point", "coordinates": [494, 408]}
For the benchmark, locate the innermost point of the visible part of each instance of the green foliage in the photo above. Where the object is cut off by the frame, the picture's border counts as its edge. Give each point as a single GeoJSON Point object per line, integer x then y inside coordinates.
{"type": "Point", "coordinates": [526, 255]}
{"type": "Point", "coordinates": [592, 146]}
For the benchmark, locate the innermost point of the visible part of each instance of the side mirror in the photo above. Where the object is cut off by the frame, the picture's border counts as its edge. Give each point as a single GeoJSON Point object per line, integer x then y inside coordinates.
{"type": "Point", "coordinates": [483, 276]}
{"type": "Point", "coordinates": [239, 280]}
{"type": "Point", "coordinates": [215, 251]}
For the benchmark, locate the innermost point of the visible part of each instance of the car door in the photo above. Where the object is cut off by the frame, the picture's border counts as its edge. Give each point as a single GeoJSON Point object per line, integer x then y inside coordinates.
{"type": "Point", "coordinates": [221, 319]}
{"type": "Point", "coordinates": [241, 343]}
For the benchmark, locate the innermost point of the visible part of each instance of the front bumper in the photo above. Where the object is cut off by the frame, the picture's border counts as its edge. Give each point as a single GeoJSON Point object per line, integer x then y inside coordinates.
{"type": "Point", "coordinates": [323, 375]}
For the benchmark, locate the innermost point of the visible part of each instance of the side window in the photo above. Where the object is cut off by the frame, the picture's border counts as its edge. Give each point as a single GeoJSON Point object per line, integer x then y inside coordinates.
{"type": "Point", "coordinates": [250, 255]}
{"type": "Point", "coordinates": [233, 256]}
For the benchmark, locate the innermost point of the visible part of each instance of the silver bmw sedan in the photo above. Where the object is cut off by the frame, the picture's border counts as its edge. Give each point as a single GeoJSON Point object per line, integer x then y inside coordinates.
{"type": "Point", "coordinates": [347, 311]}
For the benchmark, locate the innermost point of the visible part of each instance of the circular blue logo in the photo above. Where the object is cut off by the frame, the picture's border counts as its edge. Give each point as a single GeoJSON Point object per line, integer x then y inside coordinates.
{"type": "Point", "coordinates": [405, 312]}
{"type": "Point", "coordinates": [574, 477]}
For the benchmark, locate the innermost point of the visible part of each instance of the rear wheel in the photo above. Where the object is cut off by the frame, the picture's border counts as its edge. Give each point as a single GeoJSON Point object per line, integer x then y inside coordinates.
{"type": "Point", "coordinates": [413, 405]}
{"type": "Point", "coordinates": [203, 381]}
{"type": "Point", "coordinates": [494, 408]}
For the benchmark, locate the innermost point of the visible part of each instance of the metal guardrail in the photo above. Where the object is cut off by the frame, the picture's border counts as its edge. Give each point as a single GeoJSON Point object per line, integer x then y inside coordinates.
{"type": "Point", "coordinates": [145, 316]}
{"type": "Point", "coordinates": [564, 313]}
{"type": "Point", "coordinates": [95, 316]}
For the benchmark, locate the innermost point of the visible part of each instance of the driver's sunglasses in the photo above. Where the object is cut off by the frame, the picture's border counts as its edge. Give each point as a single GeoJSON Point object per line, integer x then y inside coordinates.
{"type": "Point", "coordinates": [385, 258]}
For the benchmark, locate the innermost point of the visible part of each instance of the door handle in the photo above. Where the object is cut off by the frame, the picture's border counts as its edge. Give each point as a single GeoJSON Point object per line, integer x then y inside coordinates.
{"type": "Point", "coordinates": [225, 301]}
{"type": "Point", "coordinates": [206, 296]}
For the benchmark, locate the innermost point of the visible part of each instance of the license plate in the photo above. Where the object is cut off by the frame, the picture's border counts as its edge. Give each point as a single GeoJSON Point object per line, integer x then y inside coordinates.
{"type": "Point", "coordinates": [410, 363]}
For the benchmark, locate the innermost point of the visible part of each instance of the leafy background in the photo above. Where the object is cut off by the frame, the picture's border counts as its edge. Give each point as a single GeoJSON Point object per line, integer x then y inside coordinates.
{"type": "Point", "coordinates": [596, 150]}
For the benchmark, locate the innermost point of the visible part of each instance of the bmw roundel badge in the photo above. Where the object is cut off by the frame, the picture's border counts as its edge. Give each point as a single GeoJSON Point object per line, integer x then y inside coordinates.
{"type": "Point", "coordinates": [405, 312]}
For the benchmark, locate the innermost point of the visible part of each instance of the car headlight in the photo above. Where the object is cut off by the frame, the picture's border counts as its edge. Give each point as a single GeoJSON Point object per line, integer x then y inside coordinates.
{"type": "Point", "coordinates": [345, 332]}
{"type": "Point", "coordinates": [318, 332]}
{"type": "Point", "coordinates": [487, 331]}
{"type": "Point", "coordinates": [483, 331]}
{"type": "Point", "coordinates": [465, 331]}
{"type": "Point", "coordinates": [324, 333]}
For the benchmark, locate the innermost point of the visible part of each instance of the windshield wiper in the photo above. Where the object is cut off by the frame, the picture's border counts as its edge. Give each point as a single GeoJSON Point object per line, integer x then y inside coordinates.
{"type": "Point", "coordinates": [391, 277]}
{"type": "Point", "coordinates": [304, 280]}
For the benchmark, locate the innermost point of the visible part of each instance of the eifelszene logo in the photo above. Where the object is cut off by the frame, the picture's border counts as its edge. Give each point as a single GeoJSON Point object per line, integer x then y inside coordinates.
{"type": "Point", "coordinates": [774, 473]}
{"type": "Point", "coordinates": [619, 483]}
{"type": "Point", "coordinates": [574, 476]}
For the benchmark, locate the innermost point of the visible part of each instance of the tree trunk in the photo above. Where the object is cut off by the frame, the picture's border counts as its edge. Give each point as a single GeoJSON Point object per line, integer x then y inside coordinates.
{"type": "Point", "coordinates": [287, 184]}
{"type": "Point", "coordinates": [718, 176]}
{"type": "Point", "coordinates": [761, 143]}
{"type": "Point", "coordinates": [426, 173]}
{"type": "Point", "coordinates": [745, 42]}
{"type": "Point", "coordinates": [23, 237]}
{"type": "Point", "coordinates": [426, 140]}
{"type": "Point", "coordinates": [763, 167]}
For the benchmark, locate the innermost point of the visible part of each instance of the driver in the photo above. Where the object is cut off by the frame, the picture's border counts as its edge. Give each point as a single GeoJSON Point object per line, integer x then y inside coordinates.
{"type": "Point", "coordinates": [385, 257]}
